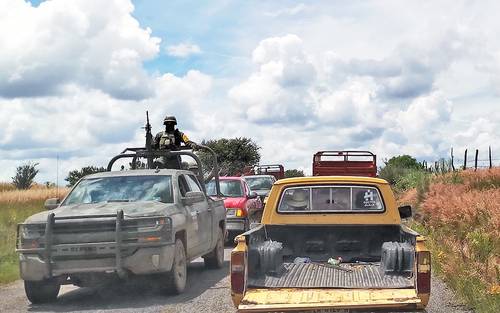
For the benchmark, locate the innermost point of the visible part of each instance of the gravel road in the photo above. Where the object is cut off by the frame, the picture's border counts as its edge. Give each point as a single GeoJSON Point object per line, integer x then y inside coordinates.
{"type": "Point", "coordinates": [207, 291]}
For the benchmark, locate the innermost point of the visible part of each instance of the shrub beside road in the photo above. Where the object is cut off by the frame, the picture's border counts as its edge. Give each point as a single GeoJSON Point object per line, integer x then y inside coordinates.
{"type": "Point", "coordinates": [459, 212]}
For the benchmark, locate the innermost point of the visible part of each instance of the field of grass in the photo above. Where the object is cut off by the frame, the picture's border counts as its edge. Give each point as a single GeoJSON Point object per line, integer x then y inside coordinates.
{"type": "Point", "coordinates": [15, 207]}
{"type": "Point", "coordinates": [460, 214]}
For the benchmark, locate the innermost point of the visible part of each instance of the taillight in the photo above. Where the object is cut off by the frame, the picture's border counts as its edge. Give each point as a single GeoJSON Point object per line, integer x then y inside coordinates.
{"type": "Point", "coordinates": [423, 272]}
{"type": "Point", "coordinates": [238, 272]}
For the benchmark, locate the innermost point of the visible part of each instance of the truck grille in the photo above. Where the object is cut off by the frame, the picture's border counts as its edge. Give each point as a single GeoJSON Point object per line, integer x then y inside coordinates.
{"type": "Point", "coordinates": [92, 232]}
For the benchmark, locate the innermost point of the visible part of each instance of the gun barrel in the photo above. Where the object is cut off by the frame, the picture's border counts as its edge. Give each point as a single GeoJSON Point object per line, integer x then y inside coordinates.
{"type": "Point", "coordinates": [149, 141]}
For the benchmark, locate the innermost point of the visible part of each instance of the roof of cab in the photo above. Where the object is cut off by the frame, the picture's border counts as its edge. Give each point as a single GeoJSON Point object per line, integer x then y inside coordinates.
{"type": "Point", "coordinates": [330, 179]}
{"type": "Point", "coordinates": [145, 172]}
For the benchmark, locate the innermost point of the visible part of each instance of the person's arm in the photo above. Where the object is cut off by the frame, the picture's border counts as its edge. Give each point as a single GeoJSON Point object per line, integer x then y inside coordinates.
{"type": "Point", "coordinates": [185, 139]}
{"type": "Point", "coordinates": [156, 141]}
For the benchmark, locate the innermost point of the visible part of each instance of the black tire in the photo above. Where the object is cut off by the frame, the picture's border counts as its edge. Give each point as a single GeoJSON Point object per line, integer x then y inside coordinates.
{"type": "Point", "coordinates": [43, 291]}
{"type": "Point", "coordinates": [215, 259]}
{"type": "Point", "coordinates": [175, 282]}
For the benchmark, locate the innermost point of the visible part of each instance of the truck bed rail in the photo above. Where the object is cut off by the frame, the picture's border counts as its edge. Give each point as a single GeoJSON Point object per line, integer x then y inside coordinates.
{"type": "Point", "coordinates": [345, 163]}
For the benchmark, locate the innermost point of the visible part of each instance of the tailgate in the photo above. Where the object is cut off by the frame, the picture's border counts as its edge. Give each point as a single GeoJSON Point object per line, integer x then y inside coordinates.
{"type": "Point", "coordinates": [265, 300]}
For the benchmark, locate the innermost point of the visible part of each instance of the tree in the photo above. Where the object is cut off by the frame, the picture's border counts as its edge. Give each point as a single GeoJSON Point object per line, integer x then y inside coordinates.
{"type": "Point", "coordinates": [399, 166]}
{"type": "Point", "coordinates": [404, 161]}
{"type": "Point", "coordinates": [294, 173]}
{"type": "Point", "coordinates": [233, 155]}
{"type": "Point", "coordinates": [75, 175]}
{"type": "Point", "coordinates": [25, 174]}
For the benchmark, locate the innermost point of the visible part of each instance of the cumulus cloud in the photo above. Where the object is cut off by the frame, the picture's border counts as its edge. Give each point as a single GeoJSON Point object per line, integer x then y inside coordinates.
{"type": "Point", "coordinates": [277, 91]}
{"type": "Point", "coordinates": [81, 125]}
{"type": "Point", "coordinates": [87, 42]}
{"type": "Point", "coordinates": [390, 105]}
{"type": "Point", "coordinates": [183, 50]}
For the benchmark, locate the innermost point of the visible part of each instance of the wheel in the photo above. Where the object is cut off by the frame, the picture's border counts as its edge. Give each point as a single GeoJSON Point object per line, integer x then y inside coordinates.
{"type": "Point", "coordinates": [42, 291]}
{"type": "Point", "coordinates": [176, 278]}
{"type": "Point", "coordinates": [215, 259]}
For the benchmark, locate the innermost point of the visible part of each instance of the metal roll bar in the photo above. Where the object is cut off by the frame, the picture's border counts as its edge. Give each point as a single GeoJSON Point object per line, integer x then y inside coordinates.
{"type": "Point", "coordinates": [150, 155]}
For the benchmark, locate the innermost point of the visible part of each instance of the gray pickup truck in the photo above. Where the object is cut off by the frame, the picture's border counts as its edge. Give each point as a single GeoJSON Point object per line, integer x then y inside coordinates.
{"type": "Point", "coordinates": [120, 224]}
{"type": "Point", "coordinates": [125, 223]}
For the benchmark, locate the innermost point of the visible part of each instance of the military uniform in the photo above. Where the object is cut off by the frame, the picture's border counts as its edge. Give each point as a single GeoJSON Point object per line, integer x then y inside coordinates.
{"type": "Point", "coordinates": [170, 139]}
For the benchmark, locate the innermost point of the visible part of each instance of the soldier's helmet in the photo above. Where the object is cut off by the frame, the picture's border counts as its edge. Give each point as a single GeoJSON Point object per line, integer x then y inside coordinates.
{"type": "Point", "coordinates": [169, 119]}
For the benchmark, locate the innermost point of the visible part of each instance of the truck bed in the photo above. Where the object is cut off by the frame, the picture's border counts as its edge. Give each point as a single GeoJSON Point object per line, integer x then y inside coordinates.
{"type": "Point", "coordinates": [312, 275]}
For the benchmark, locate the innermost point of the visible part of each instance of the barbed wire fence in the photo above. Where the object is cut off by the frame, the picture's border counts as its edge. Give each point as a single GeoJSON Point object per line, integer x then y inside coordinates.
{"type": "Point", "coordinates": [469, 161]}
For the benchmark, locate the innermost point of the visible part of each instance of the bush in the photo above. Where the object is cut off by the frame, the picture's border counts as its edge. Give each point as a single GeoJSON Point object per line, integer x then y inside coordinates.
{"type": "Point", "coordinates": [25, 174]}
{"type": "Point", "coordinates": [397, 167]}
{"type": "Point", "coordinates": [462, 217]}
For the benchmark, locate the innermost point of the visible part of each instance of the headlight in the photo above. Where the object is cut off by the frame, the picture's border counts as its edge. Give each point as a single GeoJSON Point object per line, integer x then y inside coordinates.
{"type": "Point", "coordinates": [154, 229]}
{"type": "Point", "coordinates": [231, 211]}
{"type": "Point", "coordinates": [148, 224]}
{"type": "Point", "coordinates": [29, 235]}
{"type": "Point", "coordinates": [235, 212]}
{"type": "Point", "coordinates": [31, 231]}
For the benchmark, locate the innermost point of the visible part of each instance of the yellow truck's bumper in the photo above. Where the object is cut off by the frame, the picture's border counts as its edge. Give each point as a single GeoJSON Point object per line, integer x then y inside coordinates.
{"type": "Point", "coordinates": [286, 300]}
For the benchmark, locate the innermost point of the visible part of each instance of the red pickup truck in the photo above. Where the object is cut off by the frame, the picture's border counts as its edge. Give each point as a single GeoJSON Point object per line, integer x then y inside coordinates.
{"type": "Point", "coordinates": [240, 202]}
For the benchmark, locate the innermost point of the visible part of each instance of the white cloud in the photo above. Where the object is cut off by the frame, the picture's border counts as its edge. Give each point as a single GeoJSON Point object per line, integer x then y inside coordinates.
{"type": "Point", "coordinates": [87, 127]}
{"type": "Point", "coordinates": [73, 81]}
{"type": "Point", "coordinates": [87, 42]}
{"type": "Point", "coordinates": [183, 50]}
{"type": "Point", "coordinates": [299, 8]}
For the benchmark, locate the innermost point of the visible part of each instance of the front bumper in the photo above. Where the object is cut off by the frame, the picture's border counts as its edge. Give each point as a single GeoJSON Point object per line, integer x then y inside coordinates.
{"type": "Point", "coordinates": [132, 250]}
{"type": "Point", "coordinates": [145, 260]}
{"type": "Point", "coordinates": [236, 223]}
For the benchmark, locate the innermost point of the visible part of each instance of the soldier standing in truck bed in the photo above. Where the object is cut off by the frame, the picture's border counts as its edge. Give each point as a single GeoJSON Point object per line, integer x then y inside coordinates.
{"type": "Point", "coordinates": [171, 139]}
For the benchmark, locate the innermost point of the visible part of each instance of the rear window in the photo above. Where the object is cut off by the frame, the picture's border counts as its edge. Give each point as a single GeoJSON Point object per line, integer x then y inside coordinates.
{"type": "Point", "coordinates": [335, 199]}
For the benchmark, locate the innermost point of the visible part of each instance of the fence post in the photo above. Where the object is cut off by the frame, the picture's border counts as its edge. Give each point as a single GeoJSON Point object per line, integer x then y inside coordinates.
{"type": "Point", "coordinates": [489, 153]}
{"type": "Point", "coordinates": [465, 159]}
{"type": "Point", "coordinates": [452, 165]}
{"type": "Point", "coordinates": [475, 160]}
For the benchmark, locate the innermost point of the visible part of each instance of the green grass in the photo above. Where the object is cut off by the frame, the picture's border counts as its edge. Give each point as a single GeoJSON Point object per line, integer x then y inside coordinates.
{"type": "Point", "coordinates": [10, 215]}
{"type": "Point", "coordinates": [463, 279]}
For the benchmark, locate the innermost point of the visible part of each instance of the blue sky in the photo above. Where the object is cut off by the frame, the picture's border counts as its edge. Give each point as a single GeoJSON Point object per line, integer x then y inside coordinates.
{"type": "Point", "coordinates": [394, 77]}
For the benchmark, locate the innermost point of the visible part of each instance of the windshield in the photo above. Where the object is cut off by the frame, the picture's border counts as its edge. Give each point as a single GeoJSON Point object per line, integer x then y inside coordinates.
{"type": "Point", "coordinates": [228, 188]}
{"type": "Point", "coordinates": [259, 183]}
{"type": "Point", "coordinates": [122, 189]}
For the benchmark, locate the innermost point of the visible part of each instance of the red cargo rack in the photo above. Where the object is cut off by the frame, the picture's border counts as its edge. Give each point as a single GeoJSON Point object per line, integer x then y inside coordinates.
{"type": "Point", "coordinates": [345, 163]}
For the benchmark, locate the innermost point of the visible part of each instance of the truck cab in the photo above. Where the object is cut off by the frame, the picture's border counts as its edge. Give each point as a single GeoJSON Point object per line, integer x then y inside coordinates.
{"type": "Point", "coordinates": [331, 243]}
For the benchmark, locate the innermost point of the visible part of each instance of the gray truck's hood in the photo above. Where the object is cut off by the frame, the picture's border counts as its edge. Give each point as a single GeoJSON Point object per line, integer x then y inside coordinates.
{"type": "Point", "coordinates": [130, 209]}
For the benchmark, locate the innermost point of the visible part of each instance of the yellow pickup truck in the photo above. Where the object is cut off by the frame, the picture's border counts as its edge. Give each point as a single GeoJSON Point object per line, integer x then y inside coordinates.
{"type": "Point", "coordinates": [331, 244]}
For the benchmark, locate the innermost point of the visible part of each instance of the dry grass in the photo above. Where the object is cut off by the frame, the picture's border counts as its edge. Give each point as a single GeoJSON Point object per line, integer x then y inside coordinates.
{"type": "Point", "coordinates": [461, 215]}
{"type": "Point", "coordinates": [15, 207]}
{"type": "Point", "coordinates": [30, 195]}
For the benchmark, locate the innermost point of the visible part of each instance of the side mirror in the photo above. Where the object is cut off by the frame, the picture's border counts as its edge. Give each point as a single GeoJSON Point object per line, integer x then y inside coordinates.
{"type": "Point", "coordinates": [193, 197]}
{"type": "Point", "coordinates": [405, 211]}
{"type": "Point", "coordinates": [252, 195]}
{"type": "Point", "coordinates": [52, 203]}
